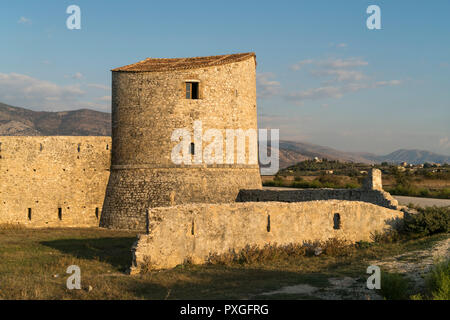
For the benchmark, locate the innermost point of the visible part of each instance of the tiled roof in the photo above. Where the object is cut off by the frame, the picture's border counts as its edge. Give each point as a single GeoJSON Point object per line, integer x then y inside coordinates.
{"type": "Point", "coordinates": [163, 64]}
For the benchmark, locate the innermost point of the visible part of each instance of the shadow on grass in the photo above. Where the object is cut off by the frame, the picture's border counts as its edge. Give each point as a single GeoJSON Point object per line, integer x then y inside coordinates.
{"type": "Point", "coordinates": [115, 251]}
{"type": "Point", "coordinates": [221, 282]}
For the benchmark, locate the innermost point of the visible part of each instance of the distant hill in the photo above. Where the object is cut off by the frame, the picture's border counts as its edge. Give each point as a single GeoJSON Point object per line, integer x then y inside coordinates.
{"type": "Point", "coordinates": [290, 150]}
{"type": "Point", "coordinates": [16, 121]}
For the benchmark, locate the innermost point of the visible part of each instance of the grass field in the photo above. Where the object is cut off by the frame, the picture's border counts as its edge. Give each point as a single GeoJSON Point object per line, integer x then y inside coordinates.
{"type": "Point", "coordinates": [33, 265]}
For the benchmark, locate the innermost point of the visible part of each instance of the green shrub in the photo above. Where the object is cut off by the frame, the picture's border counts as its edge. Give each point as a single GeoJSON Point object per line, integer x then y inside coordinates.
{"type": "Point", "coordinates": [307, 184]}
{"type": "Point", "coordinates": [413, 191]}
{"type": "Point", "coordinates": [363, 244]}
{"type": "Point", "coordinates": [330, 179]}
{"type": "Point", "coordinates": [438, 281]}
{"type": "Point", "coordinates": [389, 236]}
{"type": "Point", "coordinates": [394, 286]}
{"type": "Point", "coordinates": [428, 221]}
{"type": "Point", "coordinates": [278, 178]}
{"type": "Point", "coordinates": [272, 183]}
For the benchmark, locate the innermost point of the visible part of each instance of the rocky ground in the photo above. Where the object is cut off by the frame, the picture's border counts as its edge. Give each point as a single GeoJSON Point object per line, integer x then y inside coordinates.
{"type": "Point", "coordinates": [414, 265]}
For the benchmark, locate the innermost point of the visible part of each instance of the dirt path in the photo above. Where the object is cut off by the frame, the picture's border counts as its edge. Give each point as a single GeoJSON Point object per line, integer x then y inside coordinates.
{"type": "Point", "coordinates": [414, 265]}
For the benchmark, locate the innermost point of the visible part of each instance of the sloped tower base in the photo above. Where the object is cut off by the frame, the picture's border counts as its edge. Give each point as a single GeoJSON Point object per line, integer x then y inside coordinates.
{"type": "Point", "coordinates": [132, 191]}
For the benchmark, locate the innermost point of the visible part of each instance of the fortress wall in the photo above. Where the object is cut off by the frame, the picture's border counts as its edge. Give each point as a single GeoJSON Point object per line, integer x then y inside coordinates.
{"type": "Point", "coordinates": [43, 174]}
{"type": "Point", "coordinates": [193, 232]}
{"type": "Point", "coordinates": [377, 197]}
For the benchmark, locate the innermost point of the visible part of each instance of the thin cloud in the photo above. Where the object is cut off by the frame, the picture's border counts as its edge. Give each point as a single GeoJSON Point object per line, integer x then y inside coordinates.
{"type": "Point", "coordinates": [340, 76]}
{"type": "Point", "coordinates": [104, 98]}
{"type": "Point", "coordinates": [331, 63]}
{"type": "Point", "coordinates": [339, 45]}
{"type": "Point", "coordinates": [265, 86]}
{"type": "Point", "coordinates": [98, 86]}
{"type": "Point", "coordinates": [76, 75]}
{"type": "Point", "coordinates": [444, 143]}
{"type": "Point", "coordinates": [336, 92]}
{"type": "Point", "coordinates": [342, 63]}
{"type": "Point", "coordinates": [24, 20]}
{"type": "Point", "coordinates": [297, 66]}
{"type": "Point", "coordinates": [25, 91]}
{"type": "Point", "coordinates": [316, 94]}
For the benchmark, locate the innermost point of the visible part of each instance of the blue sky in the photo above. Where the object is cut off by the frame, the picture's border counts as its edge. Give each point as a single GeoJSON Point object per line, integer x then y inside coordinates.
{"type": "Point", "coordinates": [322, 76]}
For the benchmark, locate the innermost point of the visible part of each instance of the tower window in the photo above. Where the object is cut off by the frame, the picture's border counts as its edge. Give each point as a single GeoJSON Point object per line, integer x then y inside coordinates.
{"type": "Point", "coordinates": [192, 148]}
{"type": "Point", "coordinates": [29, 214]}
{"type": "Point", "coordinates": [191, 90]}
{"type": "Point", "coordinates": [60, 213]}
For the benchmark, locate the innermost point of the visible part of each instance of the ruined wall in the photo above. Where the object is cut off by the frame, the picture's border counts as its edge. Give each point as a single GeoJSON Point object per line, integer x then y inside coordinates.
{"type": "Point", "coordinates": [193, 232]}
{"type": "Point", "coordinates": [377, 197]}
{"type": "Point", "coordinates": [371, 192]}
{"type": "Point", "coordinates": [53, 181]}
{"type": "Point", "coordinates": [146, 108]}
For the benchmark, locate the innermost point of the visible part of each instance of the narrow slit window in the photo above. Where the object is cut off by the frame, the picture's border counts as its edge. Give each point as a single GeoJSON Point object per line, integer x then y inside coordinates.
{"type": "Point", "coordinates": [336, 221]}
{"type": "Point", "coordinates": [268, 223]}
{"type": "Point", "coordinates": [60, 213]}
{"type": "Point", "coordinates": [192, 148]}
{"type": "Point", "coordinates": [191, 90]}
{"type": "Point", "coordinates": [29, 214]}
{"type": "Point", "coordinates": [96, 213]}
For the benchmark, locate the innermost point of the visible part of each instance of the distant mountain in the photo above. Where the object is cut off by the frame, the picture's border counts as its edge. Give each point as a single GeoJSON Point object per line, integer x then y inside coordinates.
{"type": "Point", "coordinates": [293, 152]}
{"type": "Point", "coordinates": [289, 150]}
{"type": "Point", "coordinates": [414, 157]}
{"type": "Point", "coordinates": [16, 121]}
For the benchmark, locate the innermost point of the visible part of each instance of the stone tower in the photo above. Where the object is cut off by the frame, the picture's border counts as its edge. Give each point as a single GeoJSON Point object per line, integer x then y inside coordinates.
{"type": "Point", "coordinates": [154, 97]}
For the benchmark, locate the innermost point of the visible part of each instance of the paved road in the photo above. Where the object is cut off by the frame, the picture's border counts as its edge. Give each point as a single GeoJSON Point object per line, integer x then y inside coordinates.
{"type": "Point", "coordinates": [422, 202]}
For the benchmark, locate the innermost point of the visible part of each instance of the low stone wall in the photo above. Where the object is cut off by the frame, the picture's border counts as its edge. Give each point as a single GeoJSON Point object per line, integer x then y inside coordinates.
{"type": "Point", "coordinates": [193, 232]}
{"type": "Point", "coordinates": [378, 197]}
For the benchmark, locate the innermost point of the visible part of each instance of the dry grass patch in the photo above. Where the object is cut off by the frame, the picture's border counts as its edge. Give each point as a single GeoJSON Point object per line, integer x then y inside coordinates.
{"type": "Point", "coordinates": [33, 265]}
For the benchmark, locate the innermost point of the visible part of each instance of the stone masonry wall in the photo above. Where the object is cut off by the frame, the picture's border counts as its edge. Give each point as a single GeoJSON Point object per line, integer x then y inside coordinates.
{"type": "Point", "coordinates": [53, 181]}
{"type": "Point", "coordinates": [193, 232]}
